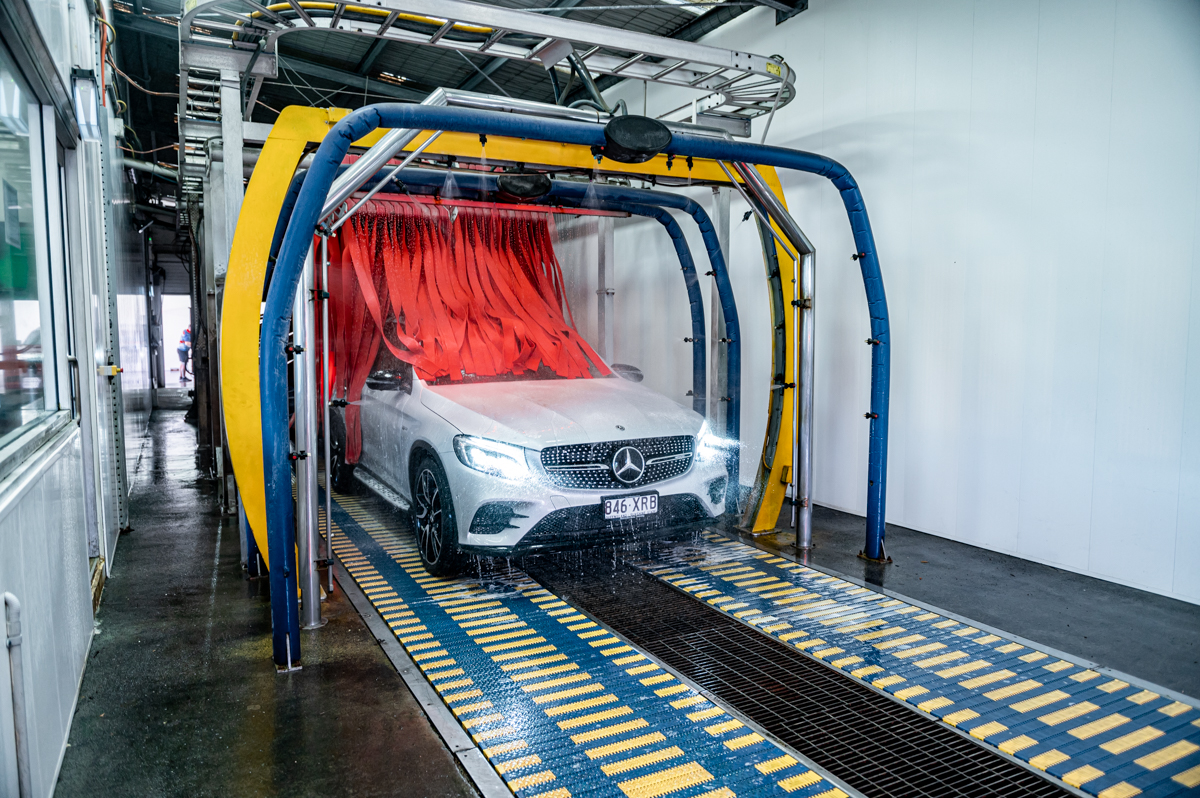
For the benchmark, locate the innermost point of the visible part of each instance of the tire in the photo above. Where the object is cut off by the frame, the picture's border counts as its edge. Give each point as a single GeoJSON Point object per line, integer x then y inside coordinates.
{"type": "Point", "coordinates": [433, 520]}
{"type": "Point", "coordinates": [342, 473]}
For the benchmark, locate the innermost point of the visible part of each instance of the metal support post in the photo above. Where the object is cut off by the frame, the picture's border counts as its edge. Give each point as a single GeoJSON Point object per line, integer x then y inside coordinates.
{"type": "Point", "coordinates": [718, 356]}
{"type": "Point", "coordinates": [803, 472]}
{"type": "Point", "coordinates": [605, 322]}
{"type": "Point", "coordinates": [231, 148]}
{"type": "Point", "coordinates": [214, 246]}
{"type": "Point", "coordinates": [800, 247]}
{"type": "Point", "coordinates": [325, 397]}
{"type": "Point", "coordinates": [304, 365]}
{"type": "Point", "coordinates": [243, 533]}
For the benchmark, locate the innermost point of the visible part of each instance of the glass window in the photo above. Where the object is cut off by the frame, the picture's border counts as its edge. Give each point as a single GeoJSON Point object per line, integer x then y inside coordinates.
{"type": "Point", "coordinates": [22, 383]}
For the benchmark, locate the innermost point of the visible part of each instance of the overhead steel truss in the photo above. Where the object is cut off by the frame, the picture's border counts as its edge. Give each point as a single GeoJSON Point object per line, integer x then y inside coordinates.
{"type": "Point", "coordinates": [728, 83]}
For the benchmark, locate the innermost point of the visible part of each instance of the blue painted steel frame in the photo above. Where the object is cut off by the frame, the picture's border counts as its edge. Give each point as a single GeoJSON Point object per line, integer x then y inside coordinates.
{"type": "Point", "coordinates": [695, 296]}
{"type": "Point", "coordinates": [297, 239]}
{"type": "Point", "coordinates": [484, 185]}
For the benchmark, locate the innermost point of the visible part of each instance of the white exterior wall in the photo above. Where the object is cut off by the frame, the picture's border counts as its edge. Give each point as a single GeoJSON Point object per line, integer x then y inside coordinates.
{"type": "Point", "coordinates": [1031, 171]}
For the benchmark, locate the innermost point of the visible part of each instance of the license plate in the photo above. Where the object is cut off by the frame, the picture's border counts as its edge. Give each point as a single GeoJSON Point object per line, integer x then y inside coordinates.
{"type": "Point", "coordinates": [631, 506]}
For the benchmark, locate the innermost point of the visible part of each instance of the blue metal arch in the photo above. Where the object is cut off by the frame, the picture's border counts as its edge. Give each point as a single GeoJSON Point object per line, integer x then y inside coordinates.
{"type": "Point", "coordinates": [289, 264]}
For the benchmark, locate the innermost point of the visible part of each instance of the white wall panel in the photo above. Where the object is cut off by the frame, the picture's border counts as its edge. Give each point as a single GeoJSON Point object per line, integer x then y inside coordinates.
{"type": "Point", "coordinates": [43, 561]}
{"type": "Point", "coordinates": [1032, 170]}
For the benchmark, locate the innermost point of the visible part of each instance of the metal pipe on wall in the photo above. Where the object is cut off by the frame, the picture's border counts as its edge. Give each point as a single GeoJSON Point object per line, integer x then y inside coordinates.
{"type": "Point", "coordinates": [12, 617]}
{"type": "Point", "coordinates": [304, 365]}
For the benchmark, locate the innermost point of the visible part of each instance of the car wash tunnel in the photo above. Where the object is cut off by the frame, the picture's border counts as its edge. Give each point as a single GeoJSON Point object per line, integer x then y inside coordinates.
{"type": "Point", "coordinates": [511, 449]}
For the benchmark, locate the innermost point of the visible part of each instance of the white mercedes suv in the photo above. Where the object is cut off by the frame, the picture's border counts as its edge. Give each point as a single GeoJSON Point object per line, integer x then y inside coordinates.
{"type": "Point", "coordinates": [507, 465]}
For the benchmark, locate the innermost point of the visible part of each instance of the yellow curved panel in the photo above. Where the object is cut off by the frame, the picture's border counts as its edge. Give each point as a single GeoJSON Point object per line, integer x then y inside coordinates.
{"type": "Point", "coordinates": [240, 309]}
{"type": "Point", "coordinates": [295, 129]}
{"type": "Point", "coordinates": [775, 478]}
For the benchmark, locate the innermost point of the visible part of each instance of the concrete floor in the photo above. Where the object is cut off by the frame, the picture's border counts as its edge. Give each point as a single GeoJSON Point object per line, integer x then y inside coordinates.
{"type": "Point", "coordinates": [180, 696]}
{"type": "Point", "coordinates": [1143, 634]}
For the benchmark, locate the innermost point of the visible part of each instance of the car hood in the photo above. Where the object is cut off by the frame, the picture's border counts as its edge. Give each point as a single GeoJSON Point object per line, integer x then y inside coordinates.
{"type": "Point", "coordinates": [540, 413]}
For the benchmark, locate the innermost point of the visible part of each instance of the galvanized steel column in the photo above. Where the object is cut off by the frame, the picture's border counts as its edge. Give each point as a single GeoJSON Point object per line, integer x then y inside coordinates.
{"type": "Point", "coordinates": [605, 319]}
{"type": "Point", "coordinates": [304, 365]}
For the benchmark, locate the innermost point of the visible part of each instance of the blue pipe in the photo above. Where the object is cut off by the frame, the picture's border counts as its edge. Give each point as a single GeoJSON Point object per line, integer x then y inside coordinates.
{"type": "Point", "coordinates": [868, 263]}
{"type": "Point", "coordinates": [285, 214]}
{"type": "Point", "coordinates": [695, 296]}
{"type": "Point", "coordinates": [297, 239]}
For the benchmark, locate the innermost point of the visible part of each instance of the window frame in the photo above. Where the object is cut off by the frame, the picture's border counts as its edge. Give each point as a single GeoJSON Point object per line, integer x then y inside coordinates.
{"type": "Point", "coordinates": [51, 274]}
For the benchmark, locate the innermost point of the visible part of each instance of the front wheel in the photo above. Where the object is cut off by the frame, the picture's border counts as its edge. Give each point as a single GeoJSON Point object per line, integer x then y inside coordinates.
{"type": "Point", "coordinates": [341, 472]}
{"type": "Point", "coordinates": [433, 519]}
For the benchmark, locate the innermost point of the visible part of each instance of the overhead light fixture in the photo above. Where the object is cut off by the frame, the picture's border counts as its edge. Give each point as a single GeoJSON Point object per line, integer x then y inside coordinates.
{"type": "Point", "coordinates": [388, 77]}
{"type": "Point", "coordinates": [87, 105]}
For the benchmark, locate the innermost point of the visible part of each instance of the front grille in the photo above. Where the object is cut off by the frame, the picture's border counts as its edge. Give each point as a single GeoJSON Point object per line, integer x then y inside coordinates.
{"type": "Point", "coordinates": [588, 466]}
{"type": "Point", "coordinates": [586, 526]}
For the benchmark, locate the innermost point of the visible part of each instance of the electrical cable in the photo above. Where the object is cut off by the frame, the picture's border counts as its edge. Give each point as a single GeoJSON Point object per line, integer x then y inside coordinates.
{"type": "Point", "coordinates": [775, 104]}
{"type": "Point", "coordinates": [322, 99]}
{"type": "Point", "coordinates": [147, 152]}
{"type": "Point", "coordinates": [139, 87]}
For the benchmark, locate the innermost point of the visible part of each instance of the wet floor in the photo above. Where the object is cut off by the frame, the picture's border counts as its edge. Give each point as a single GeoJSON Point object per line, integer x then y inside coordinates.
{"type": "Point", "coordinates": [180, 696]}
{"type": "Point", "coordinates": [1153, 637]}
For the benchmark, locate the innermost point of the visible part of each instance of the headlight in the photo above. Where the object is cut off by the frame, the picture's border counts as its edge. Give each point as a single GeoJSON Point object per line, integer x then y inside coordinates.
{"type": "Point", "coordinates": [710, 447]}
{"type": "Point", "coordinates": [491, 457]}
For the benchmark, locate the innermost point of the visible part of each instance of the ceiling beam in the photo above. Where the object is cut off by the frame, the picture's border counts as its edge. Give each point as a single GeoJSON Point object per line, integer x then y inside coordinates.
{"type": "Point", "coordinates": [142, 24]}
{"type": "Point", "coordinates": [701, 26]}
{"type": "Point", "coordinates": [374, 52]}
{"type": "Point", "coordinates": [352, 82]}
{"type": "Point", "coordinates": [560, 7]}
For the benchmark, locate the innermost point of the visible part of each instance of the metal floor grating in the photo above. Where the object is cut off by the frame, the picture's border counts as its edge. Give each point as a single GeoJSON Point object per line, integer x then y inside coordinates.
{"type": "Point", "coordinates": [873, 743]}
{"type": "Point", "coordinates": [555, 703]}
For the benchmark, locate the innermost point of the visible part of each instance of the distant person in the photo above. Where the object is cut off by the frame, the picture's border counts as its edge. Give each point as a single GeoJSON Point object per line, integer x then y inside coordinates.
{"type": "Point", "coordinates": [184, 350]}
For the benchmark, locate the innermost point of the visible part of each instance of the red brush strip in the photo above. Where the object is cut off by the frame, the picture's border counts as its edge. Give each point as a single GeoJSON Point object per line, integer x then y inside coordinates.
{"type": "Point", "coordinates": [477, 296]}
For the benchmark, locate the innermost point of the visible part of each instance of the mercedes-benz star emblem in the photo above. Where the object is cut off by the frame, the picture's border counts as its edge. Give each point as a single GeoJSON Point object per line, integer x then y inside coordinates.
{"type": "Point", "coordinates": [628, 465]}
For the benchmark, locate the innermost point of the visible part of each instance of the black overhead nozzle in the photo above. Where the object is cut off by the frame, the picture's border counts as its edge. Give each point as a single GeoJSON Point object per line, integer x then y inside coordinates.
{"type": "Point", "coordinates": [634, 139]}
{"type": "Point", "coordinates": [522, 186]}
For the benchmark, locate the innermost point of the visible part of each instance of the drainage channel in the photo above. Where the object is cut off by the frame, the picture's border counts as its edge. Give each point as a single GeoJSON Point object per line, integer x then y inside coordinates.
{"type": "Point", "coordinates": [873, 743]}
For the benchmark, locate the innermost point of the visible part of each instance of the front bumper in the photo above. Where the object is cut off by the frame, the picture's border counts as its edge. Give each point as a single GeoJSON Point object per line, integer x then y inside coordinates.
{"type": "Point", "coordinates": [512, 516]}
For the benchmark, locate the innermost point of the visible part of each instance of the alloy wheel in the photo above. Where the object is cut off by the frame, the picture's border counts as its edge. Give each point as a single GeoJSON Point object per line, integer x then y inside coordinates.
{"type": "Point", "coordinates": [428, 518]}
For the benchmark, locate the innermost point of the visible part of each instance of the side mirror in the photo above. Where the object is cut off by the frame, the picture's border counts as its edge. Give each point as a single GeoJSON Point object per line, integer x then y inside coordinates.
{"type": "Point", "coordinates": [388, 381]}
{"type": "Point", "coordinates": [628, 372]}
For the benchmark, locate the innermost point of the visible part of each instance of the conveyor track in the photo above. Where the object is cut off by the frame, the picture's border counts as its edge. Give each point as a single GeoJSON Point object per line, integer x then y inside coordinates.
{"type": "Point", "coordinates": [868, 740]}
{"type": "Point", "coordinates": [557, 704]}
{"type": "Point", "coordinates": [648, 663]}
